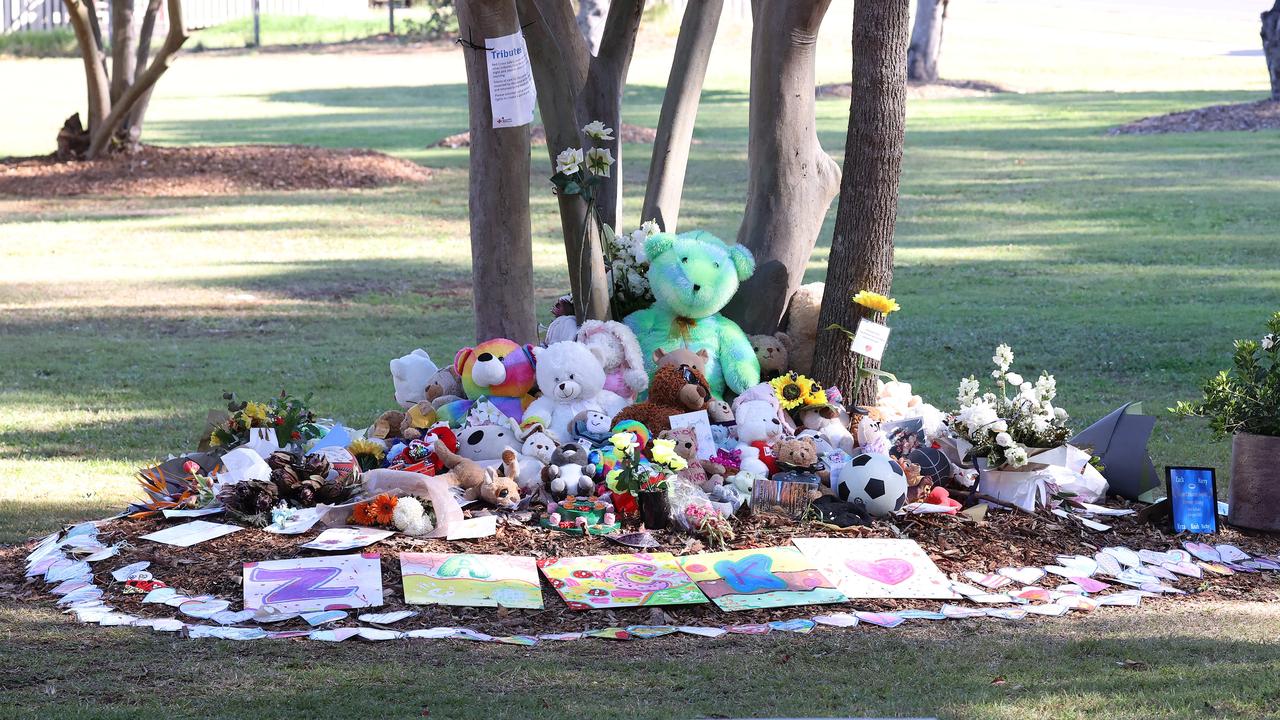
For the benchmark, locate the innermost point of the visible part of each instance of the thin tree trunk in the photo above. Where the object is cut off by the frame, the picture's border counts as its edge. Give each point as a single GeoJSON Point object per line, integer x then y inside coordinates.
{"type": "Point", "coordinates": [602, 95]}
{"type": "Point", "coordinates": [123, 48]}
{"type": "Point", "coordinates": [591, 17]}
{"type": "Point", "coordinates": [121, 109]}
{"type": "Point", "coordinates": [790, 179]}
{"type": "Point", "coordinates": [679, 111]}
{"type": "Point", "coordinates": [1271, 47]}
{"type": "Point", "coordinates": [501, 245]}
{"type": "Point", "coordinates": [133, 123]}
{"type": "Point", "coordinates": [862, 247]}
{"type": "Point", "coordinates": [95, 70]}
{"type": "Point", "coordinates": [926, 41]}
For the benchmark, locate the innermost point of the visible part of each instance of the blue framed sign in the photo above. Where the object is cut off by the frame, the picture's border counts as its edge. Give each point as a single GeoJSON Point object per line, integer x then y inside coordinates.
{"type": "Point", "coordinates": [1193, 499]}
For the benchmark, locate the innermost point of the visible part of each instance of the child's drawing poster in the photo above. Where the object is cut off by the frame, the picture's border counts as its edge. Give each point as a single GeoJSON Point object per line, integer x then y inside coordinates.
{"type": "Point", "coordinates": [877, 568]}
{"type": "Point", "coordinates": [470, 580]}
{"type": "Point", "coordinates": [760, 578]}
{"type": "Point", "coordinates": [311, 584]}
{"type": "Point", "coordinates": [628, 580]}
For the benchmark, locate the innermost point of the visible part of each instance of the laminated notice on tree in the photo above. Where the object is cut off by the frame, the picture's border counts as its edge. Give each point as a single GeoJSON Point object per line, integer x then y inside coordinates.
{"type": "Point", "coordinates": [511, 91]}
{"type": "Point", "coordinates": [870, 339]}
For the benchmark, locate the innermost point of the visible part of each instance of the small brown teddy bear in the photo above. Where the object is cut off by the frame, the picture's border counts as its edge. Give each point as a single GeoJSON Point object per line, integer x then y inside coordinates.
{"type": "Point", "coordinates": [675, 389]}
{"type": "Point", "coordinates": [799, 456]}
{"type": "Point", "coordinates": [477, 482]}
{"type": "Point", "coordinates": [773, 352]}
{"type": "Point", "coordinates": [681, 356]}
{"type": "Point", "coordinates": [703, 473]}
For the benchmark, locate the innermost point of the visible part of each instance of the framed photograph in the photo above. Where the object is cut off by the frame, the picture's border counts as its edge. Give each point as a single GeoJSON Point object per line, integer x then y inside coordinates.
{"type": "Point", "coordinates": [1193, 499]}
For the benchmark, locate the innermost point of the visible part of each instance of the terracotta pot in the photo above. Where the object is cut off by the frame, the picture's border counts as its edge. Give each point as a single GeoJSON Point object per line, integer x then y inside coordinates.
{"type": "Point", "coordinates": [1254, 493]}
{"type": "Point", "coordinates": [654, 509]}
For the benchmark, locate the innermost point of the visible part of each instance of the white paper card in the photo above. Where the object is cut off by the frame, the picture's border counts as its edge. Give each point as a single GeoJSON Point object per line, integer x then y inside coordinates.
{"type": "Point", "coordinates": [262, 441]}
{"type": "Point", "coordinates": [701, 424]}
{"type": "Point", "coordinates": [871, 339]}
{"type": "Point", "coordinates": [200, 512]}
{"type": "Point", "coordinates": [347, 538]}
{"type": "Point", "coordinates": [192, 533]}
{"type": "Point", "coordinates": [511, 91]}
{"type": "Point", "coordinates": [332, 582]}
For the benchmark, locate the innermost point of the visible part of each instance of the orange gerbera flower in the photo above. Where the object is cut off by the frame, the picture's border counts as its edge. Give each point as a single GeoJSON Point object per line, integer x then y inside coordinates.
{"type": "Point", "coordinates": [362, 514]}
{"type": "Point", "coordinates": [384, 506]}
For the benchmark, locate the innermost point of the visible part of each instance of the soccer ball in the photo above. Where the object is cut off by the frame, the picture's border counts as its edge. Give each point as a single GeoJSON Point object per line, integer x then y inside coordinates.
{"type": "Point", "coordinates": [875, 479]}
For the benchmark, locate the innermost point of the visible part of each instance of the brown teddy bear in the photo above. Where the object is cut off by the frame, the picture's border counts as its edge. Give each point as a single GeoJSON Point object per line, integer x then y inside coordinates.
{"type": "Point", "coordinates": [676, 389]}
{"type": "Point", "coordinates": [477, 482]}
{"type": "Point", "coordinates": [773, 352]}
{"type": "Point", "coordinates": [681, 356]}
{"type": "Point", "coordinates": [798, 456]}
{"type": "Point", "coordinates": [801, 324]}
{"type": "Point", "coordinates": [703, 473]}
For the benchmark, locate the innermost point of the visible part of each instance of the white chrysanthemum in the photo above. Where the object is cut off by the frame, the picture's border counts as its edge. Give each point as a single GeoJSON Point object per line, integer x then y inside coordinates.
{"type": "Point", "coordinates": [597, 131]}
{"type": "Point", "coordinates": [569, 161]}
{"type": "Point", "coordinates": [410, 517]}
{"type": "Point", "coordinates": [650, 228]}
{"type": "Point", "coordinates": [1015, 456]}
{"type": "Point", "coordinates": [1004, 439]}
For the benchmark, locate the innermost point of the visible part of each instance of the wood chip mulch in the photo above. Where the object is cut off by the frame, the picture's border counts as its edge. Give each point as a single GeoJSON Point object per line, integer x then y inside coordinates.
{"type": "Point", "coordinates": [206, 170]}
{"type": "Point", "coordinates": [631, 135]}
{"type": "Point", "coordinates": [1252, 116]}
{"type": "Point", "coordinates": [955, 544]}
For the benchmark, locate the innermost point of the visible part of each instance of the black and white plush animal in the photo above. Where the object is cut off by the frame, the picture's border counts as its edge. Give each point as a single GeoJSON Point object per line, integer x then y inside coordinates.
{"type": "Point", "coordinates": [569, 472]}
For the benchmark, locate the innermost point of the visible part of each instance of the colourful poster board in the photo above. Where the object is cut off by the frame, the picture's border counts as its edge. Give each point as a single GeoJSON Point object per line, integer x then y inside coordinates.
{"type": "Point", "coordinates": [877, 568]}
{"type": "Point", "coordinates": [470, 580]}
{"type": "Point", "coordinates": [760, 578]}
{"type": "Point", "coordinates": [334, 582]}
{"type": "Point", "coordinates": [627, 580]}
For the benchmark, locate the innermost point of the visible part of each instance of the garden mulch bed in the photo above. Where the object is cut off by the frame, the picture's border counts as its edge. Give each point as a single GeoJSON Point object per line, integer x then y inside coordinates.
{"type": "Point", "coordinates": [922, 91]}
{"type": "Point", "coordinates": [956, 544]}
{"type": "Point", "coordinates": [1252, 116]}
{"type": "Point", "coordinates": [631, 134]}
{"type": "Point", "coordinates": [206, 170]}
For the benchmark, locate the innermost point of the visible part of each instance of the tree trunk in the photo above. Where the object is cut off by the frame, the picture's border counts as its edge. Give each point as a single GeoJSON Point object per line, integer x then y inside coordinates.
{"type": "Point", "coordinates": [790, 179]}
{"type": "Point", "coordinates": [679, 111]}
{"type": "Point", "coordinates": [133, 123]}
{"type": "Point", "coordinates": [926, 41]}
{"type": "Point", "coordinates": [591, 18]}
{"type": "Point", "coordinates": [1271, 47]}
{"type": "Point", "coordinates": [602, 96]}
{"type": "Point", "coordinates": [862, 247]}
{"type": "Point", "coordinates": [123, 48]}
{"type": "Point", "coordinates": [501, 245]}
{"type": "Point", "coordinates": [80, 14]}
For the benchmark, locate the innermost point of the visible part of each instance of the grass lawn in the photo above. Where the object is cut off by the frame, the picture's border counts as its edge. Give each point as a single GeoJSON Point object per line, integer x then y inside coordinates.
{"type": "Point", "coordinates": [1124, 265]}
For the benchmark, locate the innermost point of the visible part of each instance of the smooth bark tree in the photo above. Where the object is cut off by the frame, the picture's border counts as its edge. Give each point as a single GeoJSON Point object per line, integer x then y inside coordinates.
{"type": "Point", "coordinates": [1271, 47]}
{"type": "Point", "coordinates": [671, 146]}
{"type": "Point", "coordinates": [926, 41]}
{"type": "Point", "coordinates": [575, 88]}
{"type": "Point", "coordinates": [501, 241]}
{"type": "Point", "coordinates": [791, 180]}
{"type": "Point", "coordinates": [118, 99]}
{"type": "Point", "coordinates": [591, 18]}
{"type": "Point", "coordinates": [862, 246]}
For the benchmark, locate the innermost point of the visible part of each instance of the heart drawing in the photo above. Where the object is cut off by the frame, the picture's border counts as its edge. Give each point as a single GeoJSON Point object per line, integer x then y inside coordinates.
{"type": "Point", "coordinates": [889, 571]}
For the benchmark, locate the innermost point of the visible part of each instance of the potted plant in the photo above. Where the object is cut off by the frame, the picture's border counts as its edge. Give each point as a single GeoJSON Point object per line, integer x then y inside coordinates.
{"type": "Point", "coordinates": [625, 478]}
{"type": "Point", "coordinates": [655, 504]}
{"type": "Point", "coordinates": [1244, 402]}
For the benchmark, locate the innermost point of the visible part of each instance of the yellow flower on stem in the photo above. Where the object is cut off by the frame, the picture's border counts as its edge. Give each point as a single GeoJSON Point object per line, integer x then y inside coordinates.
{"type": "Point", "coordinates": [794, 390]}
{"type": "Point", "coordinates": [624, 441]}
{"type": "Point", "coordinates": [877, 302]}
{"type": "Point", "coordinates": [664, 450]}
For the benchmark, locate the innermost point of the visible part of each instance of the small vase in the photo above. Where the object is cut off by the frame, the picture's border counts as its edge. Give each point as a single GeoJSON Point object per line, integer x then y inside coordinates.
{"type": "Point", "coordinates": [654, 509]}
{"type": "Point", "coordinates": [1254, 492]}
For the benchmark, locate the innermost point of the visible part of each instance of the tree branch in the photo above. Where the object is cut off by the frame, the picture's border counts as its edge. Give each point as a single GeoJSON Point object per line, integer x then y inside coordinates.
{"type": "Point", "coordinates": [122, 48]}
{"type": "Point", "coordinates": [164, 58]}
{"type": "Point", "coordinates": [83, 22]}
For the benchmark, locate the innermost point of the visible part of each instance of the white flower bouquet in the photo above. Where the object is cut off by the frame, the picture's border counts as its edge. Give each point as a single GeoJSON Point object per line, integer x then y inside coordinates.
{"type": "Point", "coordinates": [629, 269]}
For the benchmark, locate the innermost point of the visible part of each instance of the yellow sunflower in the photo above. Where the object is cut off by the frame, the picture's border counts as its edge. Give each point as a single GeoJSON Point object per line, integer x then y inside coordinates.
{"type": "Point", "coordinates": [362, 446]}
{"type": "Point", "coordinates": [794, 390]}
{"type": "Point", "coordinates": [876, 301]}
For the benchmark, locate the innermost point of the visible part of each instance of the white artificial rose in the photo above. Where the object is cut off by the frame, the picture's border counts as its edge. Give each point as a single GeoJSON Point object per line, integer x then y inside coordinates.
{"type": "Point", "coordinates": [597, 131]}
{"type": "Point", "coordinates": [1013, 379]}
{"type": "Point", "coordinates": [1004, 439]}
{"type": "Point", "coordinates": [599, 160]}
{"type": "Point", "coordinates": [569, 161]}
{"type": "Point", "coordinates": [999, 426]}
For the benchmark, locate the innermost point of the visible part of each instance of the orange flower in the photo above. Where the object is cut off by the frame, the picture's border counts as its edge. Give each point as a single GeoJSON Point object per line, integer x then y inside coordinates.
{"type": "Point", "coordinates": [362, 514]}
{"type": "Point", "coordinates": [384, 506]}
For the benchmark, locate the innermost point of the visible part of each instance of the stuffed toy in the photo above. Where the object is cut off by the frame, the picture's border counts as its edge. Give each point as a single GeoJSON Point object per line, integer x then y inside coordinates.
{"type": "Point", "coordinates": [572, 379]}
{"type": "Point", "coordinates": [592, 427]}
{"type": "Point", "coordinates": [797, 461]}
{"type": "Point", "coordinates": [619, 353]}
{"type": "Point", "coordinates": [444, 387]}
{"type": "Point", "coordinates": [388, 426]}
{"type": "Point", "coordinates": [801, 325]}
{"type": "Point", "coordinates": [499, 370]}
{"type": "Point", "coordinates": [476, 482]}
{"type": "Point", "coordinates": [765, 392]}
{"type": "Point", "coordinates": [773, 352]}
{"type": "Point", "coordinates": [538, 445]}
{"type": "Point", "coordinates": [758, 422]}
{"type": "Point", "coordinates": [828, 422]}
{"type": "Point", "coordinates": [675, 390]}
{"type": "Point", "coordinates": [410, 375]}
{"type": "Point", "coordinates": [706, 474]}
{"type": "Point", "coordinates": [693, 275]}
{"type": "Point", "coordinates": [489, 445]}
{"type": "Point", "coordinates": [681, 356]}
{"type": "Point", "coordinates": [751, 463]}
{"type": "Point", "coordinates": [871, 439]}
{"type": "Point", "coordinates": [569, 472]}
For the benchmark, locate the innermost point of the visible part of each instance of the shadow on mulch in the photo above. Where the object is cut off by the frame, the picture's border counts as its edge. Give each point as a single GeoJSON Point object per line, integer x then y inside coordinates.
{"type": "Point", "coordinates": [205, 170]}
{"type": "Point", "coordinates": [1251, 116]}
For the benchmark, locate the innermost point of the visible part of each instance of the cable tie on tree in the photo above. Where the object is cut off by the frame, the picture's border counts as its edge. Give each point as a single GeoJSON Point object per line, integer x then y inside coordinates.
{"type": "Point", "coordinates": [470, 42]}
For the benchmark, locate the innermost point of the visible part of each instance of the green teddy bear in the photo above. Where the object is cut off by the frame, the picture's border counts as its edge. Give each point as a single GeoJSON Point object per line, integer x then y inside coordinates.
{"type": "Point", "coordinates": [693, 275]}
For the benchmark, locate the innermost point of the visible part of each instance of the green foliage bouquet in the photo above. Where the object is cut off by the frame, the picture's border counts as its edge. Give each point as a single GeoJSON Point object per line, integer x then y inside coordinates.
{"type": "Point", "coordinates": [1246, 398]}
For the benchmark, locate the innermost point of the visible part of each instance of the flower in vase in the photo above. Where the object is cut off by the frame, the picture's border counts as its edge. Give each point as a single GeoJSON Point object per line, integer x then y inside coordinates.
{"type": "Point", "coordinates": [623, 441]}
{"type": "Point", "coordinates": [569, 161]}
{"type": "Point", "coordinates": [1016, 456]}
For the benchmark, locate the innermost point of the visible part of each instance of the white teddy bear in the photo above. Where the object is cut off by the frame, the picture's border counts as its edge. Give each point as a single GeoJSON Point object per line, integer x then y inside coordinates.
{"type": "Point", "coordinates": [410, 375]}
{"type": "Point", "coordinates": [571, 378]}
